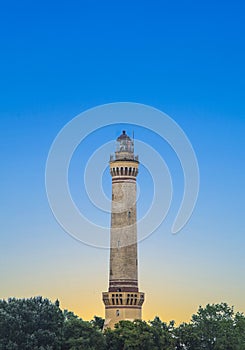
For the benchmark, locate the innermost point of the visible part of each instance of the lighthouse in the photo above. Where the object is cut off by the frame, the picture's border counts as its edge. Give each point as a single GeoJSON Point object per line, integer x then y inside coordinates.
{"type": "Point", "coordinates": [123, 301]}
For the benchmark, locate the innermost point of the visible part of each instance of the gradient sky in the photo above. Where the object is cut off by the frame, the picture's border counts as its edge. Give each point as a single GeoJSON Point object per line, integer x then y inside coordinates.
{"type": "Point", "coordinates": [186, 58]}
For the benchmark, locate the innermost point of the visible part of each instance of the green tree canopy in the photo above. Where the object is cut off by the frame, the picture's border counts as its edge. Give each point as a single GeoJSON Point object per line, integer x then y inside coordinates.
{"type": "Point", "coordinates": [39, 324]}
{"type": "Point", "coordinates": [215, 327]}
{"type": "Point", "coordinates": [30, 324]}
{"type": "Point", "coordinates": [140, 335]}
{"type": "Point", "coordinates": [82, 335]}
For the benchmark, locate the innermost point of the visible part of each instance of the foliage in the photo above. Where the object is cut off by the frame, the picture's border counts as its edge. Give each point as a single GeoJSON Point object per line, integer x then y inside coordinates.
{"type": "Point", "coordinates": [163, 334]}
{"type": "Point", "coordinates": [215, 327]}
{"type": "Point", "coordinates": [81, 335]}
{"type": "Point", "coordinates": [33, 324]}
{"type": "Point", "coordinates": [39, 324]}
{"type": "Point", "coordinates": [140, 335]}
{"type": "Point", "coordinates": [98, 322]}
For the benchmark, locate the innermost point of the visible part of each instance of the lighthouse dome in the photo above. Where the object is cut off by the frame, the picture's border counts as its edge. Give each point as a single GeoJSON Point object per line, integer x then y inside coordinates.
{"type": "Point", "coordinates": [125, 143]}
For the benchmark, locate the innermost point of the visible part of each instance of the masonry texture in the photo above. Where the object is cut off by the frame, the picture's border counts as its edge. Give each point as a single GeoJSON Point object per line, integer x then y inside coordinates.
{"type": "Point", "coordinates": [123, 301]}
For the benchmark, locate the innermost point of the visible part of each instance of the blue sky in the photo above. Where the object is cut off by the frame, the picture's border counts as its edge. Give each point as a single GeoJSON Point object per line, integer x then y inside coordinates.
{"type": "Point", "coordinates": [185, 58]}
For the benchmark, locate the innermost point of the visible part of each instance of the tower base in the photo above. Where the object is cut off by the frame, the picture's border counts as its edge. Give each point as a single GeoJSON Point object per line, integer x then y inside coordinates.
{"type": "Point", "coordinates": [122, 306]}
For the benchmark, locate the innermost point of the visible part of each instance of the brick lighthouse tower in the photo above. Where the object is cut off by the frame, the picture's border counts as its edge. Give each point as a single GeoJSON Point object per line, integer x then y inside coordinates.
{"type": "Point", "coordinates": [123, 301]}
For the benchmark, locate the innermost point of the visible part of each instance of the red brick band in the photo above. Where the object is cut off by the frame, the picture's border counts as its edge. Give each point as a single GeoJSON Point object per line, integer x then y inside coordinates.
{"type": "Point", "coordinates": [118, 282]}
{"type": "Point", "coordinates": [124, 178]}
{"type": "Point", "coordinates": [123, 289]}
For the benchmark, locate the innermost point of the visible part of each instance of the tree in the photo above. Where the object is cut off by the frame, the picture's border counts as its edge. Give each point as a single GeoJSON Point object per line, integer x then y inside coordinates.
{"type": "Point", "coordinates": [186, 338]}
{"type": "Point", "coordinates": [39, 324]}
{"type": "Point", "coordinates": [98, 322]}
{"type": "Point", "coordinates": [30, 324]}
{"type": "Point", "coordinates": [215, 327]}
{"type": "Point", "coordinates": [81, 335]}
{"type": "Point", "coordinates": [239, 323]}
{"type": "Point", "coordinates": [163, 334]}
{"type": "Point", "coordinates": [139, 335]}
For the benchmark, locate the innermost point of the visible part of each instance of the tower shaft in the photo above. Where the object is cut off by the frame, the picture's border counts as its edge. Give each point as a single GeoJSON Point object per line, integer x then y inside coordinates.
{"type": "Point", "coordinates": [123, 301]}
{"type": "Point", "coordinates": [123, 252]}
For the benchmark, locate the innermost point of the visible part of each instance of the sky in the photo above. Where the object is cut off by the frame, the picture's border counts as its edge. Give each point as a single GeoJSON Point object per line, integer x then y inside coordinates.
{"type": "Point", "coordinates": [59, 59]}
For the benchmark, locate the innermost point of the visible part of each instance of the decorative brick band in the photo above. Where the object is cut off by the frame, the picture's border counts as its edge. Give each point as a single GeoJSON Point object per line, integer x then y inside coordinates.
{"type": "Point", "coordinates": [122, 282]}
{"type": "Point", "coordinates": [123, 289]}
{"type": "Point", "coordinates": [123, 179]}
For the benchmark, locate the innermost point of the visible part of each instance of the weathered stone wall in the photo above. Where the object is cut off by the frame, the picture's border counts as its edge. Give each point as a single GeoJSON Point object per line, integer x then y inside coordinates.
{"type": "Point", "coordinates": [123, 301]}
{"type": "Point", "coordinates": [115, 314]}
{"type": "Point", "coordinates": [123, 255]}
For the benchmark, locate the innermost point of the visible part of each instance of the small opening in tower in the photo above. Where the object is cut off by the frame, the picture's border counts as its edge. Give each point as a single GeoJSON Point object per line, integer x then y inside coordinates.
{"type": "Point", "coordinates": [117, 312]}
{"type": "Point", "coordinates": [129, 214]}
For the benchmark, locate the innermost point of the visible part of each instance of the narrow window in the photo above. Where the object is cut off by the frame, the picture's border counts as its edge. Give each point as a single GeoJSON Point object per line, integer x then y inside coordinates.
{"type": "Point", "coordinates": [117, 312]}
